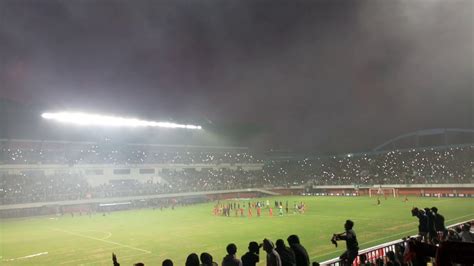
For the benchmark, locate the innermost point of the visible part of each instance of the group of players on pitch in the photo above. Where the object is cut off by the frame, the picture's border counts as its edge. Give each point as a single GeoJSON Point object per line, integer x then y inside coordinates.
{"type": "Point", "coordinates": [248, 209]}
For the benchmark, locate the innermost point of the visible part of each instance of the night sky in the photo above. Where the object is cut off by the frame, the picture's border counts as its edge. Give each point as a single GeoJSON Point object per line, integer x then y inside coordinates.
{"type": "Point", "coordinates": [309, 75]}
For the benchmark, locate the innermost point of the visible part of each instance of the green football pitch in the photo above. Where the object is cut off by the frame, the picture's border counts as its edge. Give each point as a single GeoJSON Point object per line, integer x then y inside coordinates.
{"type": "Point", "coordinates": [150, 236]}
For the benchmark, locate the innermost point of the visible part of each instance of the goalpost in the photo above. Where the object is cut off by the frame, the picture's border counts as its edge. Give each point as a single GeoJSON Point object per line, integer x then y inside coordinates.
{"type": "Point", "coordinates": [383, 191]}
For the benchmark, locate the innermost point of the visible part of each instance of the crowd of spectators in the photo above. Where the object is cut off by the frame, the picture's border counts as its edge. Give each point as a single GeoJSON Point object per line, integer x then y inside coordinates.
{"type": "Point", "coordinates": [107, 153]}
{"type": "Point", "coordinates": [415, 166]}
{"type": "Point", "coordinates": [276, 255]}
{"type": "Point", "coordinates": [426, 166]}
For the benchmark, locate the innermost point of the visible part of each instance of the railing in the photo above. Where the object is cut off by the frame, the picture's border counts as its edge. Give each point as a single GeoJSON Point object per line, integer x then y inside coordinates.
{"type": "Point", "coordinates": [378, 251]}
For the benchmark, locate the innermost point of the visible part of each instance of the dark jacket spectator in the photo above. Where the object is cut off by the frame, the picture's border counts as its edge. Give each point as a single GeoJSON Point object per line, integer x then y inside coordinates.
{"type": "Point", "coordinates": [230, 259]}
{"type": "Point", "coordinates": [287, 255]}
{"type": "Point", "coordinates": [273, 258]}
{"type": "Point", "coordinates": [301, 255]}
{"type": "Point", "coordinates": [251, 258]}
{"type": "Point", "coordinates": [466, 235]}
{"type": "Point", "coordinates": [439, 220]}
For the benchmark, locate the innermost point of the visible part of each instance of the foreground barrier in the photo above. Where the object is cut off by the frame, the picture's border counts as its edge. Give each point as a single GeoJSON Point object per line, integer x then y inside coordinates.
{"type": "Point", "coordinates": [379, 251]}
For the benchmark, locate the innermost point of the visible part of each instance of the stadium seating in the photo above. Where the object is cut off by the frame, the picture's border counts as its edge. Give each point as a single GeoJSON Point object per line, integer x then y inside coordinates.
{"type": "Point", "coordinates": [425, 166]}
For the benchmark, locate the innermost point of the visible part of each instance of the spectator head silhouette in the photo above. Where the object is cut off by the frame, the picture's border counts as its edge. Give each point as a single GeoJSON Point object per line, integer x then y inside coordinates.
{"type": "Point", "coordinates": [293, 239]}
{"type": "Point", "coordinates": [206, 259]}
{"type": "Point", "coordinates": [167, 262]}
{"type": "Point", "coordinates": [391, 255]}
{"type": "Point", "coordinates": [231, 249]}
{"type": "Point", "coordinates": [192, 260]}
{"type": "Point", "coordinates": [254, 247]}
{"type": "Point", "coordinates": [348, 225]}
{"type": "Point", "coordinates": [139, 264]}
{"type": "Point", "coordinates": [466, 227]}
{"type": "Point", "coordinates": [268, 245]}
{"type": "Point", "coordinates": [280, 244]}
{"type": "Point", "coordinates": [434, 209]}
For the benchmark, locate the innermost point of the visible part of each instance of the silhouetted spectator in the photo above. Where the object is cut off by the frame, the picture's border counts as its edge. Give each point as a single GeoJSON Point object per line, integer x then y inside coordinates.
{"type": "Point", "coordinates": [301, 255]}
{"type": "Point", "coordinates": [466, 235]}
{"type": "Point", "coordinates": [432, 235]}
{"type": "Point", "coordinates": [273, 258]}
{"type": "Point", "coordinates": [453, 235]}
{"type": "Point", "coordinates": [251, 257]}
{"type": "Point", "coordinates": [439, 224]}
{"type": "Point", "coordinates": [167, 262]}
{"type": "Point", "coordinates": [287, 255]}
{"type": "Point", "coordinates": [192, 260]}
{"type": "Point", "coordinates": [230, 259]}
{"type": "Point", "coordinates": [422, 222]}
{"type": "Point", "coordinates": [352, 246]}
{"type": "Point", "coordinates": [391, 260]}
{"type": "Point", "coordinates": [206, 260]}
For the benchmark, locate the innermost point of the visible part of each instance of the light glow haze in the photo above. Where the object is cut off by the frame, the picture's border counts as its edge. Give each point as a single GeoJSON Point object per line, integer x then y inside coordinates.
{"type": "Point", "coordinates": [86, 119]}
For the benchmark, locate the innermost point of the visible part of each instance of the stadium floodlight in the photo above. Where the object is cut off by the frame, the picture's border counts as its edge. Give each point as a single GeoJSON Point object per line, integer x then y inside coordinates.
{"type": "Point", "coordinates": [85, 119]}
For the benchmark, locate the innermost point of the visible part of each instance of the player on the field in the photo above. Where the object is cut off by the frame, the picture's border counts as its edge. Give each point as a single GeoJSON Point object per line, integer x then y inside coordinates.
{"type": "Point", "coordinates": [280, 210]}
{"type": "Point", "coordinates": [270, 211]}
{"type": "Point", "coordinates": [378, 201]}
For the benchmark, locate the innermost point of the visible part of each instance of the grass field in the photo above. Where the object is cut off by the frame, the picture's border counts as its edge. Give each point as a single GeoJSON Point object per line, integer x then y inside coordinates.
{"type": "Point", "coordinates": [153, 235]}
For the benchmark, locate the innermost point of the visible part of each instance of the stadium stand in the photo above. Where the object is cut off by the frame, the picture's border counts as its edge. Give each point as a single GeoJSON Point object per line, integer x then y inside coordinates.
{"type": "Point", "coordinates": [53, 171]}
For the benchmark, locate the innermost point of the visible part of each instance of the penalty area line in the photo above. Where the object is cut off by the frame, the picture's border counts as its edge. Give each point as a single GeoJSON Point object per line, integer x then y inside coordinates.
{"type": "Point", "coordinates": [28, 256]}
{"type": "Point", "coordinates": [103, 240]}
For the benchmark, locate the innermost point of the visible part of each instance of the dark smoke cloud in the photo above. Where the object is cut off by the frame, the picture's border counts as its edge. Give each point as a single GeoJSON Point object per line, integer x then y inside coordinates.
{"type": "Point", "coordinates": [322, 75]}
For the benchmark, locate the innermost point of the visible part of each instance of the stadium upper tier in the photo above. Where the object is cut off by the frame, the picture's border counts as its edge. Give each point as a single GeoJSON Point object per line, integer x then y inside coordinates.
{"type": "Point", "coordinates": [72, 153]}
{"type": "Point", "coordinates": [215, 170]}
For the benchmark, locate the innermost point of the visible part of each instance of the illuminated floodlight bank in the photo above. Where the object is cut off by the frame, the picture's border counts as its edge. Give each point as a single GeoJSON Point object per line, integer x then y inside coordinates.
{"type": "Point", "coordinates": [85, 119]}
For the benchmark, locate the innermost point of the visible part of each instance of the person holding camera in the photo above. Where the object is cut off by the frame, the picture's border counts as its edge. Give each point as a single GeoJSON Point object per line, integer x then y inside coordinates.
{"type": "Point", "coordinates": [352, 246]}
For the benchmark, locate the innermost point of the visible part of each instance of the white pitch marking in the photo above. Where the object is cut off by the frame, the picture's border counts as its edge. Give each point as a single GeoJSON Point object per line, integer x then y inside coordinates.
{"type": "Point", "coordinates": [109, 234]}
{"type": "Point", "coordinates": [103, 240]}
{"type": "Point", "coordinates": [28, 256]}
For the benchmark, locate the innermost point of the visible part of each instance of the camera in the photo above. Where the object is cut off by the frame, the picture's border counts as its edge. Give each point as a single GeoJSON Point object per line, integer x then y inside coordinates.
{"type": "Point", "coordinates": [334, 240]}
